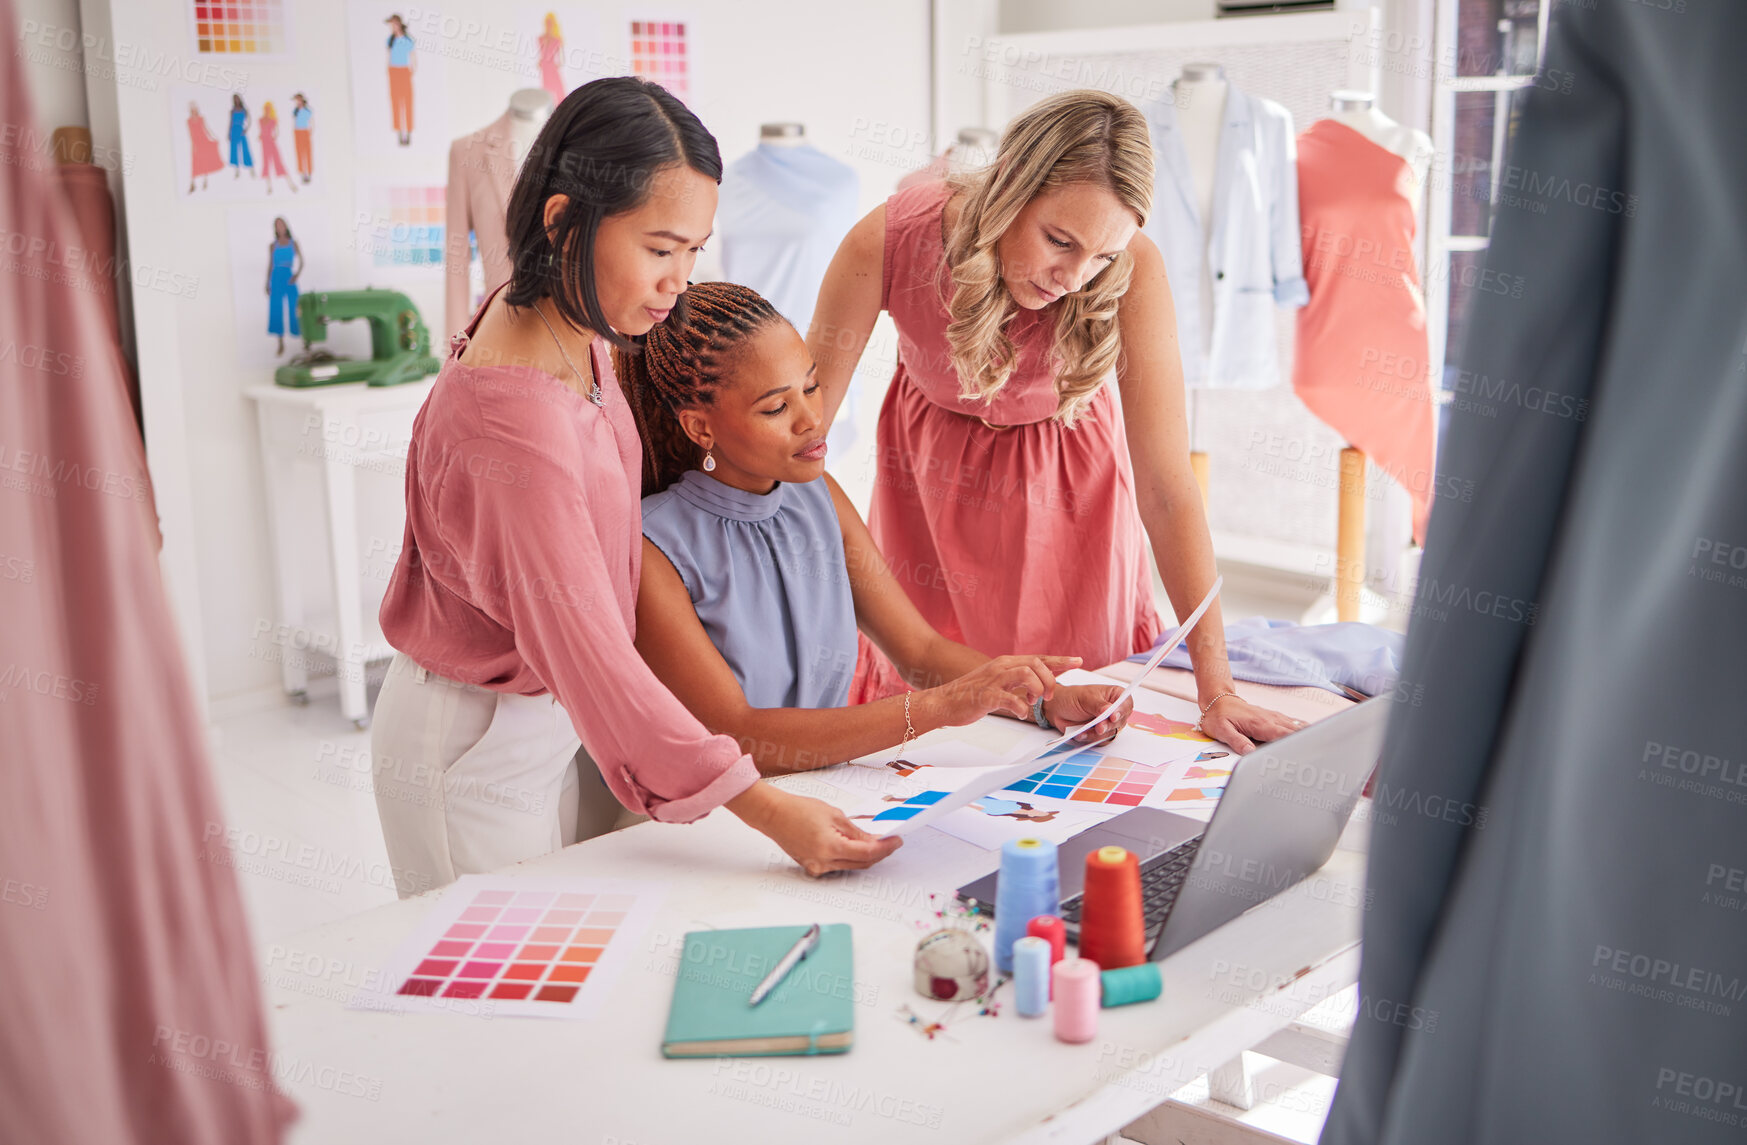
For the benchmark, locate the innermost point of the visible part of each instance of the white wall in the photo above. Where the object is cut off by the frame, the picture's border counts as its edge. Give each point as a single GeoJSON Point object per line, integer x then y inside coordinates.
{"type": "Point", "coordinates": [1053, 15]}
{"type": "Point", "coordinates": [57, 93]}
{"type": "Point", "coordinates": [841, 67]}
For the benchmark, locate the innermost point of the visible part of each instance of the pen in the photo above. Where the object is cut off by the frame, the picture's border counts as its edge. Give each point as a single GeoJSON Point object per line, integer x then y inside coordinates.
{"type": "Point", "coordinates": [789, 961]}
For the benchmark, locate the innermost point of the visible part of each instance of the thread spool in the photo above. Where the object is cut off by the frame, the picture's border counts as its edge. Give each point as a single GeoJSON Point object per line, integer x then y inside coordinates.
{"type": "Point", "coordinates": [1077, 991]}
{"type": "Point", "coordinates": [1053, 931]}
{"type": "Point", "coordinates": [1029, 885]}
{"type": "Point", "coordinates": [1131, 984]}
{"type": "Point", "coordinates": [1112, 926]}
{"type": "Point", "coordinates": [1031, 972]}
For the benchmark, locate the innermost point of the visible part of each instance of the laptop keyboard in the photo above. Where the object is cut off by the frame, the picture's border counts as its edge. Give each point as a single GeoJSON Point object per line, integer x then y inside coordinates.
{"type": "Point", "coordinates": [1161, 879]}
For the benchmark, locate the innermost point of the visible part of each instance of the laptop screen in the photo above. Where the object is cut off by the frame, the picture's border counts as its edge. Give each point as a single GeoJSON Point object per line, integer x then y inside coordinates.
{"type": "Point", "coordinates": [1282, 813]}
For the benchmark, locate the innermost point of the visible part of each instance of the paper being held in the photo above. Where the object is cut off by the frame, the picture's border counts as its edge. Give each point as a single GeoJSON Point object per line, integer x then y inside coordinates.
{"type": "Point", "coordinates": [996, 778]}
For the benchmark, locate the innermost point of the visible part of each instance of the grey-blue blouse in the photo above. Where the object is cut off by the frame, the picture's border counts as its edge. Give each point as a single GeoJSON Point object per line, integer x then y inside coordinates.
{"type": "Point", "coordinates": [766, 574]}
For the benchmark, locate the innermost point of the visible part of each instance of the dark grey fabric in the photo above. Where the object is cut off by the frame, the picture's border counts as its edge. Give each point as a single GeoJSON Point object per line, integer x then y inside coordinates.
{"type": "Point", "coordinates": [1556, 949]}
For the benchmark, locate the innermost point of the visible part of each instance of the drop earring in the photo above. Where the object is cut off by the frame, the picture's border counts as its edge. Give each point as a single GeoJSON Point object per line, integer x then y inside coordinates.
{"type": "Point", "coordinates": [709, 462]}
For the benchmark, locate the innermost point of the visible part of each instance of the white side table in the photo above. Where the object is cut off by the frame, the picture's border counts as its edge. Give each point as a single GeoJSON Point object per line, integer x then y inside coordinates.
{"type": "Point", "coordinates": [335, 467]}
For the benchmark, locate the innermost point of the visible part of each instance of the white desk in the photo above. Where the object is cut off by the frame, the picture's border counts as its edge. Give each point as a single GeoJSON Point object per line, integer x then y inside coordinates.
{"type": "Point", "coordinates": [334, 459]}
{"type": "Point", "coordinates": [464, 1079]}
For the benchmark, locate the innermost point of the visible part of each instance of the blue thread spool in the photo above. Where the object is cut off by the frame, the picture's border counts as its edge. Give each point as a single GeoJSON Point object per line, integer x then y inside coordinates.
{"type": "Point", "coordinates": [1129, 984]}
{"type": "Point", "coordinates": [1029, 885]}
{"type": "Point", "coordinates": [1031, 976]}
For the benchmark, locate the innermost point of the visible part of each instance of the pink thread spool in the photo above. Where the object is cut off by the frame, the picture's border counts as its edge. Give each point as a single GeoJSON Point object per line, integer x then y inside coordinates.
{"type": "Point", "coordinates": [1076, 986]}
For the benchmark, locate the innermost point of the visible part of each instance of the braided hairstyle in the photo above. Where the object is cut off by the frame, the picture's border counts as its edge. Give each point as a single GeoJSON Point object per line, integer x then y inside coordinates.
{"type": "Point", "coordinates": [682, 364]}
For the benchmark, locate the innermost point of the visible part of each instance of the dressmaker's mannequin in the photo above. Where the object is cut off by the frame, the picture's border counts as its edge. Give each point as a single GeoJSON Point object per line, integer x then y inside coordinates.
{"type": "Point", "coordinates": [1357, 110]}
{"type": "Point", "coordinates": [530, 108]}
{"type": "Point", "coordinates": [1200, 98]}
{"type": "Point", "coordinates": [782, 212]}
{"type": "Point", "coordinates": [1199, 94]}
{"type": "Point", "coordinates": [975, 147]}
{"type": "Point", "coordinates": [482, 172]}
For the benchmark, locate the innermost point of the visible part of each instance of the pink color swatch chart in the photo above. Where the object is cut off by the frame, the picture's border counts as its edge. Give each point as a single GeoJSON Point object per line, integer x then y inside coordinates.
{"type": "Point", "coordinates": [658, 51]}
{"type": "Point", "coordinates": [496, 945]}
{"type": "Point", "coordinates": [239, 27]}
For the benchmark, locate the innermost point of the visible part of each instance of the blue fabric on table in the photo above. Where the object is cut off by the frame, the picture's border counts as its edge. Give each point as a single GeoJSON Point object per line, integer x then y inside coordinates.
{"type": "Point", "coordinates": [1363, 657]}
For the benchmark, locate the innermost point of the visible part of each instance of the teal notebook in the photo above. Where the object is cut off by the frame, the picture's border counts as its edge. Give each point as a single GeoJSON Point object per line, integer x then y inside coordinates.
{"type": "Point", "coordinates": [812, 1012]}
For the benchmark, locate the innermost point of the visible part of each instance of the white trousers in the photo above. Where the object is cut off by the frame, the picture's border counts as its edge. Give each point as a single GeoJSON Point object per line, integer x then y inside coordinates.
{"type": "Point", "coordinates": [468, 780]}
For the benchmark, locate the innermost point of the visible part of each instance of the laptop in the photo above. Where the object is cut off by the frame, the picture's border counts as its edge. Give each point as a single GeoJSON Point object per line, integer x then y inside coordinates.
{"type": "Point", "coordinates": [1282, 813]}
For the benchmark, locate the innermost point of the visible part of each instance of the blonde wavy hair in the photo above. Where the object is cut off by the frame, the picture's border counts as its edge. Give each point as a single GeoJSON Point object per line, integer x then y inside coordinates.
{"type": "Point", "coordinates": [1083, 136]}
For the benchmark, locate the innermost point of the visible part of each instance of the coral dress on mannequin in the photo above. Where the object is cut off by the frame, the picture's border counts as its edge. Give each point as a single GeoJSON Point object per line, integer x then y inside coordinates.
{"type": "Point", "coordinates": [1361, 358]}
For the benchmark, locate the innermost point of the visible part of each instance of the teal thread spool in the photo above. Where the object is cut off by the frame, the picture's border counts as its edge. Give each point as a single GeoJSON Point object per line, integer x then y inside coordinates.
{"type": "Point", "coordinates": [1130, 984]}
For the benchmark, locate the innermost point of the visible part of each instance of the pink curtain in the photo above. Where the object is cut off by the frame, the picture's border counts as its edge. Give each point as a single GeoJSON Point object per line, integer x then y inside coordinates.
{"type": "Point", "coordinates": [86, 191]}
{"type": "Point", "coordinates": [130, 1009]}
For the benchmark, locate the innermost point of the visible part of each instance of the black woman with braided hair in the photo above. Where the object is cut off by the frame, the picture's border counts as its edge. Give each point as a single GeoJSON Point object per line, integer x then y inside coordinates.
{"type": "Point", "coordinates": [758, 571]}
{"type": "Point", "coordinates": [517, 717]}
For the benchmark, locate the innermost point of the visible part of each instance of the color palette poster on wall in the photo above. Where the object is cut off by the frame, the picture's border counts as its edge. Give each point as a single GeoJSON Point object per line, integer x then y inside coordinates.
{"type": "Point", "coordinates": [661, 50]}
{"type": "Point", "coordinates": [398, 231]}
{"type": "Point", "coordinates": [277, 253]}
{"type": "Point", "coordinates": [399, 63]}
{"type": "Point", "coordinates": [522, 947]}
{"type": "Point", "coordinates": [252, 28]}
{"type": "Point", "coordinates": [266, 144]}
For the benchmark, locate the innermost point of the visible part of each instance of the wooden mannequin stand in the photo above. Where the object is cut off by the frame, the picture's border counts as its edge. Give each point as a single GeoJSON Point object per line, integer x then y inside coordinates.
{"type": "Point", "coordinates": [1350, 535]}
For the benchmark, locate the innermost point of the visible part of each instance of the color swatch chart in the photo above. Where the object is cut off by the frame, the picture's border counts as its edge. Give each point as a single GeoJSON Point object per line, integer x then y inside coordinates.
{"type": "Point", "coordinates": [241, 27]}
{"type": "Point", "coordinates": [658, 52]}
{"type": "Point", "coordinates": [521, 947]}
{"type": "Point", "coordinates": [404, 227]}
{"type": "Point", "coordinates": [1091, 777]}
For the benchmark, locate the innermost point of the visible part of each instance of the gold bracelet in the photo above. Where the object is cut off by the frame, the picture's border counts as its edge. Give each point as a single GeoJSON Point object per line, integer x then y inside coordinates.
{"type": "Point", "coordinates": [909, 731]}
{"type": "Point", "coordinates": [1209, 705]}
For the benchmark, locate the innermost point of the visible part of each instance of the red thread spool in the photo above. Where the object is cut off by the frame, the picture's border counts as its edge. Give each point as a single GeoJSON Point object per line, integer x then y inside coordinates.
{"type": "Point", "coordinates": [1053, 931]}
{"type": "Point", "coordinates": [1112, 927]}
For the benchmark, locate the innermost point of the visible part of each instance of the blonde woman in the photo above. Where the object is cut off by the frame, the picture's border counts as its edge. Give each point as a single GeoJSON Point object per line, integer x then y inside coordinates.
{"type": "Point", "coordinates": [271, 162]}
{"type": "Point", "coordinates": [1005, 498]}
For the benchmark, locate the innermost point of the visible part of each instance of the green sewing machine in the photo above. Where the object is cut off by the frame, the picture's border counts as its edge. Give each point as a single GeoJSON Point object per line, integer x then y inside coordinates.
{"type": "Point", "coordinates": [400, 345]}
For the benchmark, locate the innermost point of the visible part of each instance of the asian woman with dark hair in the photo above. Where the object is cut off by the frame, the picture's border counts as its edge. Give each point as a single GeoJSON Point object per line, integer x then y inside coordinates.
{"type": "Point", "coordinates": [517, 715]}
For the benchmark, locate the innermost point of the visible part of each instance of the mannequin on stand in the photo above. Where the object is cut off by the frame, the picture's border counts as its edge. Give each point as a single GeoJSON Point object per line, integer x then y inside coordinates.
{"type": "Point", "coordinates": [782, 134]}
{"type": "Point", "coordinates": [482, 172]}
{"type": "Point", "coordinates": [1358, 110]}
{"type": "Point", "coordinates": [784, 208]}
{"type": "Point", "coordinates": [975, 147]}
{"type": "Point", "coordinates": [1362, 363]}
{"type": "Point", "coordinates": [1200, 94]}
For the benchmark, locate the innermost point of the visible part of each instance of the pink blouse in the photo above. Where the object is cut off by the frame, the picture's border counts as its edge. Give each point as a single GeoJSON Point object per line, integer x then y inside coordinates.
{"type": "Point", "coordinates": [519, 573]}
